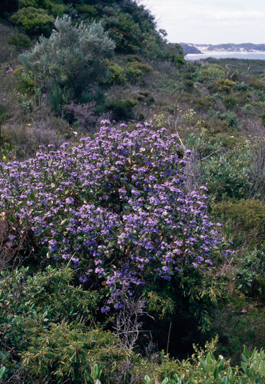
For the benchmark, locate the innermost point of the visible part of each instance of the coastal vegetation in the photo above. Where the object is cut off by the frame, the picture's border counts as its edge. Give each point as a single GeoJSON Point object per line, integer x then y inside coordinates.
{"type": "Point", "coordinates": [132, 188]}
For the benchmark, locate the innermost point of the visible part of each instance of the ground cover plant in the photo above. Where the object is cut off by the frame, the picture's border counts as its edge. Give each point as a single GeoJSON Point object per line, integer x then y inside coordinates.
{"type": "Point", "coordinates": [114, 240]}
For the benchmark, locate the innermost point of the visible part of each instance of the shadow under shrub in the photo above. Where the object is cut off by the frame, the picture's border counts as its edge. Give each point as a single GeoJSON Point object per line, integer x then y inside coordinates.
{"type": "Point", "coordinates": [250, 274]}
{"type": "Point", "coordinates": [236, 328]}
{"type": "Point", "coordinates": [185, 306]}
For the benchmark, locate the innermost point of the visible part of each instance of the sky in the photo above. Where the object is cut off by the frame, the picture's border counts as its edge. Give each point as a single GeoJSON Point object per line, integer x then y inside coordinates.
{"type": "Point", "coordinates": [210, 21]}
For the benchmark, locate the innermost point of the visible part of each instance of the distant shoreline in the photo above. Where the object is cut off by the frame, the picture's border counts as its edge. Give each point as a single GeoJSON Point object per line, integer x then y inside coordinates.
{"type": "Point", "coordinates": [225, 55]}
{"type": "Point", "coordinates": [224, 52]}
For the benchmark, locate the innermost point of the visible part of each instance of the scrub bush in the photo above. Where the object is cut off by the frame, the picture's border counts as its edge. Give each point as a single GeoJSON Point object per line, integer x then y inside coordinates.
{"type": "Point", "coordinates": [87, 10]}
{"type": "Point", "coordinates": [115, 74]}
{"type": "Point", "coordinates": [229, 101]}
{"type": "Point", "coordinates": [69, 61]}
{"type": "Point", "coordinates": [205, 102]}
{"type": "Point", "coordinates": [136, 70]}
{"type": "Point", "coordinates": [123, 109]}
{"type": "Point", "coordinates": [250, 274]}
{"type": "Point", "coordinates": [40, 303]}
{"type": "Point", "coordinates": [115, 206]}
{"type": "Point", "coordinates": [35, 21]}
{"type": "Point", "coordinates": [4, 113]}
{"type": "Point", "coordinates": [248, 217]}
{"type": "Point", "coordinates": [188, 84]}
{"type": "Point", "coordinates": [69, 351]}
{"type": "Point", "coordinates": [212, 72]}
{"type": "Point", "coordinates": [224, 85]}
{"type": "Point", "coordinates": [229, 117]}
{"type": "Point", "coordinates": [20, 41]}
{"type": "Point", "coordinates": [205, 368]}
{"type": "Point", "coordinates": [133, 58]}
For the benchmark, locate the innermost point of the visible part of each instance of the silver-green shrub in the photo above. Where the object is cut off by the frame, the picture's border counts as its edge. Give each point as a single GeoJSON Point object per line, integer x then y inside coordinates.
{"type": "Point", "coordinates": [69, 61]}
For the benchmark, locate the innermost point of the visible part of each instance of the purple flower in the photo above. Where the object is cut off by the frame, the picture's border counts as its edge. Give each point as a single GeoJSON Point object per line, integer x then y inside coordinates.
{"type": "Point", "coordinates": [127, 203]}
{"type": "Point", "coordinates": [105, 122]}
{"type": "Point", "coordinates": [83, 279]}
{"type": "Point", "coordinates": [105, 309]}
{"type": "Point", "coordinates": [69, 200]}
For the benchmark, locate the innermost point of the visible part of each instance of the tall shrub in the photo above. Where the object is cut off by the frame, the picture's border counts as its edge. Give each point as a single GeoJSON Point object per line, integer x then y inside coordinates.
{"type": "Point", "coordinates": [113, 207]}
{"type": "Point", "coordinates": [69, 61]}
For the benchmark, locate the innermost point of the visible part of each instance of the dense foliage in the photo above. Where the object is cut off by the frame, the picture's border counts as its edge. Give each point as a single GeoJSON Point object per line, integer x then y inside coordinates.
{"type": "Point", "coordinates": [113, 262]}
{"type": "Point", "coordinates": [129, 24]}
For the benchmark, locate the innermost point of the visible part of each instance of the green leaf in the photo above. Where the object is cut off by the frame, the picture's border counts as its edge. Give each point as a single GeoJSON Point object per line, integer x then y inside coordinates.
{"type": "Point", "coordinates": [220, 365]}
{"type": "Point", "coordinates": [246, 352]}
{"type": "Point", "coordinates": [204, 365]}
{"type": "Point", "coordinates": [215, 373]}
{"type": "Point", "coordinates": [147, 379]}
{"type": "Point", "coordinates": [2, 372]}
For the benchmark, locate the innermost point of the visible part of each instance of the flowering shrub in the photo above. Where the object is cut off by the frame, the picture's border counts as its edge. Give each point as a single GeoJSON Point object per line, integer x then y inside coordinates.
{"type": "Point", "coordinates": [114, 204]}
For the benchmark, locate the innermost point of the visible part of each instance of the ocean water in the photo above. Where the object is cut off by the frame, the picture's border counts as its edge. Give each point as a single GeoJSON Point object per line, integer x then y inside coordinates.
{"type": "Point", "coordinates": [226, 55]}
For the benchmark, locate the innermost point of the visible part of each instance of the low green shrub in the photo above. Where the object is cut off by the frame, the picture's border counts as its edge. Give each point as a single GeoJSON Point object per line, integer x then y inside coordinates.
{"type": "Point", "coordinates": [69, 351]}
{"type": "Point", "coordinates": [20, 41]}
{"type": "Point", "coordinates": [260, 93]}
{"type": "Point", "coordinates": [232, 170]}
{"type": "Point", "coordinates": [250, 274]}
{"type": "Point", "coordinates": [242, 87]}
{"type": "Point", "coordinates": [35, 21]}
{"type": "Point", "coordinates": [122, 109]}
{"type": "Point", "coordinates": [247, 216]}
{"type": "Point", "coordinates": [4, 113]}
{"type": "Point", "coordinates": [144, 96]}
{"type": "Point", "coordinates": [256, 83]}
{"type": "Point", "coordinates": [41, 302]}
{"type": "Point", "coordinates": [137, 70]}
{"type": "Point", "coordinates": [229, 117]}
{"type": "Point", "coordinates": [26, 104]}
{"type": "Point", "coordinates": [87, 10]}
{"type": "Point", "coordinates": [57, 10]}
{"type": "Point", "coordinates": [26, 83]}
{"type": "Point", "coordinates": [205, 368]}
{"type": "Point", "coordinates": [115, 74]}
{"type": "Point", "coordinates": [133, 58]}
{"type": "Point", "coordinates": [178, 60]}
{"type": "Point", "coordinates": [212, 72]}
{"type": "Point", "coordinates": [223, 85]}
{"type": "Point", "coordinates": [247, 108]}
{"type": "Point", "coordinates": [229, 101]}
{"type": "Point", "coordinates": [236, 324]}
{"type": "Point", "coordinates": [205, 102]}
{"type": "Point", "coordinates": [188, 84]}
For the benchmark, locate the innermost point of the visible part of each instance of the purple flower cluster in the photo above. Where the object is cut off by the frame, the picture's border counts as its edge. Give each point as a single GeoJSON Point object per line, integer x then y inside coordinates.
{"type": "Point", "coordinates": [115, 200]}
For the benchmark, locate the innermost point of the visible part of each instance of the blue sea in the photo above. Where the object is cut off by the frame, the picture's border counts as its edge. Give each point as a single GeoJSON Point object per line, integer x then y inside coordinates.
{"type": "Point", "coordinates": [226, 55]}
